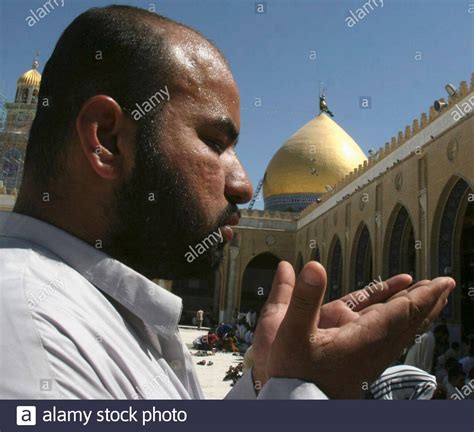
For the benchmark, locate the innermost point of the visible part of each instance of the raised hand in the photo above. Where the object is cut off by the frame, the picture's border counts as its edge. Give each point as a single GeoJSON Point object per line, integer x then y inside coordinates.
{"type": "Point", "coordinates": [335, 313]}
{"type": "Point", "coordinates": [342, 353]}
{"type": "Point", "coordinates": [332, 320]}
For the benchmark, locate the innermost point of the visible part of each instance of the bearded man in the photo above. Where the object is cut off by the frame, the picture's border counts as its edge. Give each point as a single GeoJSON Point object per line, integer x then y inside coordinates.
{"type": "Point", "coordinates": [111, 200]}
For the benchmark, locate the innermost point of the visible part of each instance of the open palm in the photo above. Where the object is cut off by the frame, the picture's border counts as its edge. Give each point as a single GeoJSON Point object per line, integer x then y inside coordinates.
{"type": "Point", "coordinates": [332, 318]}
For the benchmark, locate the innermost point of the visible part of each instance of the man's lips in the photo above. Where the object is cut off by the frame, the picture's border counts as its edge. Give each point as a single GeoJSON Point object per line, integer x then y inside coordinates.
{"type": "Point", "coordinates": [234, 219]}
{"type": "Point", "coordinates": [226, 230]}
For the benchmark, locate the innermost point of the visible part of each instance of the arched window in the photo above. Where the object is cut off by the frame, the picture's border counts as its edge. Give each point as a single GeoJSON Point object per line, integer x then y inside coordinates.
{"type": "Point", "coordinates": [453, 240]}
{"type": "Point", "coordinates": [401, 244]}
{"type": "Point", "coordinates": [299, 264]}
{"type": "Point", "coordinates": [335, 270]}
{"type": "Point", "coordinates": [34, 98]}
{"type": "Point", "coordinates": [316, 255]}
{"type": "Point", "coordinates": [24, 95]}
{"type": "Point", "coordinates": [362, 259]}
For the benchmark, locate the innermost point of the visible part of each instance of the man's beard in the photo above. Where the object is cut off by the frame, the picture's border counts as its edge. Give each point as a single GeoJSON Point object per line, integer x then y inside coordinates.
{"type": "Point", "coordinates": [157, 219]}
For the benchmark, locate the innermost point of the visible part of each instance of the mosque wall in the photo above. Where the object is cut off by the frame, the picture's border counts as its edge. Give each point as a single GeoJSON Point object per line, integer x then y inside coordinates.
{"type": "Point", "coordinates": [416, 183]}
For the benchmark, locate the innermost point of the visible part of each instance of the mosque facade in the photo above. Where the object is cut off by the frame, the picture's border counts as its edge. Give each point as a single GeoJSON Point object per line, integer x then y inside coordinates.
{"type": "Point", "coordinates": [408, 208]}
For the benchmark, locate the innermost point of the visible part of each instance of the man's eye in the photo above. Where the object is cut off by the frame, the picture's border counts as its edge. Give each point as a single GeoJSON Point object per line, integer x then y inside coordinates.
{"type": "Point", "coordinates": [214, 145]}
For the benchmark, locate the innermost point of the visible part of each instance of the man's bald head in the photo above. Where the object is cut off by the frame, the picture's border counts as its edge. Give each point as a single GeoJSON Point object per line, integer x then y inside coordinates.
{"type": "Point", "coordinates": [123, 52]}
{"type": "Point", "coordinates": [146, 184]}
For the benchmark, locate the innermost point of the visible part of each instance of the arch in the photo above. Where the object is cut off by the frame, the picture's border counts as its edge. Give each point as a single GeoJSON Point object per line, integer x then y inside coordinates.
{"type": "Point", "coordinates": [362, 264]}
{"type": "Point", "coordinates": [453, 248]}
{"type": "Point", "coordinates": [257, 281]}
{"type": "Point", "coordinates": [247, 258]}
{"type": "Point", "coordinates": [316, 254]}
{"type": "Point", "coordinates": [196, 294]}
{"type": "Point", "coordinates": [335, 269]}
{"type": "Point", "coordinates": [400, 249]}
{"type": "Point", "coordinates": [449, 213]}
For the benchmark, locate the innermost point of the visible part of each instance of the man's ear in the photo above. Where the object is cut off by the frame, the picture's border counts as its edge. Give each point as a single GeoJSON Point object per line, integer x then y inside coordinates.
{"type": "Point", "coordinates": [98, 124]}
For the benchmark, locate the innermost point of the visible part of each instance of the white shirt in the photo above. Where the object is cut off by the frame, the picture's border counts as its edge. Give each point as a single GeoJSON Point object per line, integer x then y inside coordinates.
{"type": "Point", "coordinates": [76, 323]}
{"type": "Point", "coordinates": [421, 354]}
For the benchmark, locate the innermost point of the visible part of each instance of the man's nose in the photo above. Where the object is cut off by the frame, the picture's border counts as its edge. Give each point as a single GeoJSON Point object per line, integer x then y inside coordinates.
{"type": "Point", "coordinates": [238, 188]}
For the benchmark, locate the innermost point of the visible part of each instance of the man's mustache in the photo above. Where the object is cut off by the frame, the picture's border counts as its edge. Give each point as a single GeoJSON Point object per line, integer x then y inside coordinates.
{"type": "Point", "coordinates": [227, 214]}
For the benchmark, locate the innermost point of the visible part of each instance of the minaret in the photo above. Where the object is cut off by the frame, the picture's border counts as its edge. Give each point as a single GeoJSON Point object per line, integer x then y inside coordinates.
{"type": "Point", "coordinates": [27, 86]}
{"type": "Point", "coordinates": [14, 137]}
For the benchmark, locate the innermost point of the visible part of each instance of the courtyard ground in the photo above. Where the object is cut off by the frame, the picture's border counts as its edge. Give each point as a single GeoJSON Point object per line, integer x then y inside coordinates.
{"type": "Point", "coordinates": [210, 377]}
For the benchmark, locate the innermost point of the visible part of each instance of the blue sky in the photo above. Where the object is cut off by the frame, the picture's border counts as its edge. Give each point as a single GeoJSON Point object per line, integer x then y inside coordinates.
{"type": "Point", "coordinates": [271, 58]}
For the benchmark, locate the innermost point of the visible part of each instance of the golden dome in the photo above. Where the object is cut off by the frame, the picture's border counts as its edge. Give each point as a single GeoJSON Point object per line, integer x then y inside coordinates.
{"type": "Point", "coordinates": [318, 154]}
{"type": "Point", "coordinates": [31, 78]}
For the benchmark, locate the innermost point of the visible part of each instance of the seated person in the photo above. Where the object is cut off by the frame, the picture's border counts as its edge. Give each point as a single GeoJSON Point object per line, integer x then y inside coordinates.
{"type": "Point", "coordinates": [229, 343]}
{"type": "Point", "coordinates": [212, 339]}
{"type": "Point", "coordinates": [223, 329]}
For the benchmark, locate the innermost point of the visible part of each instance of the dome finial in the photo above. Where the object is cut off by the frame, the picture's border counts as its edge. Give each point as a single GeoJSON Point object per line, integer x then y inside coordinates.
{"type": "Point", "coordinates": [36, 61]}
{"type": "Point", "coordinates": [323, 106]}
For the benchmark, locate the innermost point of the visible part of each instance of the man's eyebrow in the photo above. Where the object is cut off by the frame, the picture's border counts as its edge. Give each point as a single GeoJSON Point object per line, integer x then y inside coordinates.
{"type": "Point", "coordinates": [226, 126]}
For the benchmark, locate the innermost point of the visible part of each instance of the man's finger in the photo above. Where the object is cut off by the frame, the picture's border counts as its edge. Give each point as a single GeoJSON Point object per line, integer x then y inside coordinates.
{"type": "Point", "coordinates": [377, 292]}
{"type": "Point", "coordinates": [428, 301]}
{"type": "Point", "coordinates": [306, 300]}
{"type": "Point", "coordinates": [283, 284]}
{"type": "Point", "coordinates": [441, 304]}
{"type": "Point", "coordinates": [392, 326]}
{"type": "Point", "coordinates": [411, 288]}
{"type": "Point", "coordinates": [399, 294]}
{"type": "Point", "coordinates": [400, 319]}
{"type": "Point", "coordinates": [282, 289]}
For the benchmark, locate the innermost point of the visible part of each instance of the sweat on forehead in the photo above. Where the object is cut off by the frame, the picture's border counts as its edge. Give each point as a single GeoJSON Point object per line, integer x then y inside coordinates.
{"type": "Point", "coordinates": [195, 56]}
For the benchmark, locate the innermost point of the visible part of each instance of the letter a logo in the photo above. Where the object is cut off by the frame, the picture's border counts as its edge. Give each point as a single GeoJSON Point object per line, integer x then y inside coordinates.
{"type": "Point", "coordinates": [26, 416]}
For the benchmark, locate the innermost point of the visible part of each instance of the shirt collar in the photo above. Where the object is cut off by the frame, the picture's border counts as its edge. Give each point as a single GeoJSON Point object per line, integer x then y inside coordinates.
{"type": "Point", "coordinates": [153, 304]}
